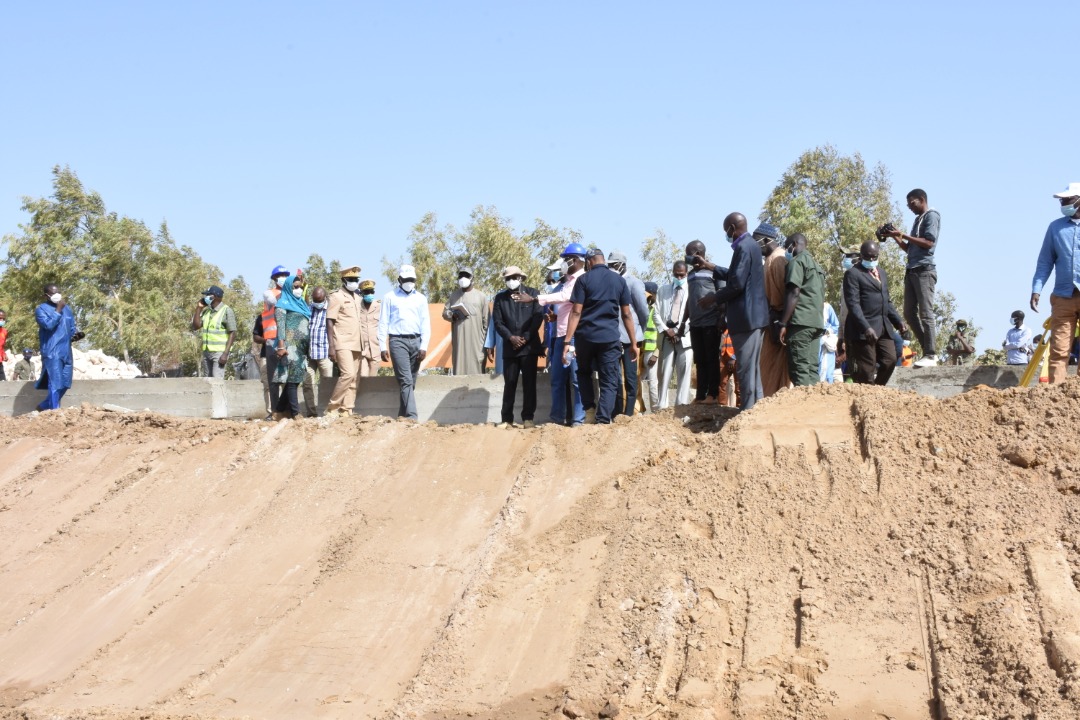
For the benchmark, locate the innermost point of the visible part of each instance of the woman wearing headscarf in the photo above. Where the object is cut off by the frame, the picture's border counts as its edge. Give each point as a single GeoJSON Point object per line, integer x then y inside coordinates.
{"type": "Point", "coordinates": [292, 314]}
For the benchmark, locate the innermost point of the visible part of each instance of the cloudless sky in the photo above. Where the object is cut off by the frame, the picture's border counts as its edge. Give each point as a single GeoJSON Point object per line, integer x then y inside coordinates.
{"type": "Point", "coordinates": [265, 131]}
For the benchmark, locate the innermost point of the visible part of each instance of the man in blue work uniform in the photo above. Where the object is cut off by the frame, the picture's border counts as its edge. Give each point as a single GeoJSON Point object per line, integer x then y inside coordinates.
{"type": "Point", "coordinates": [600, 298]}
{"type": "Point", "coordinates": [56, 332]}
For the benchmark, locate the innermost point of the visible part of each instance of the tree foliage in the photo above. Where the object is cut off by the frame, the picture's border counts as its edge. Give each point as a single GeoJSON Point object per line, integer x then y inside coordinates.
{"type": "Point", "coordinates": [487, 244]}
{"type": "Point", "coordinates": [132, 290]}
{"type": "Point", "coordinates": [837, 202]}
{"type": "Point", "coordinates": [659, 253]}
{"type": "Point", "coordinates": [319, 273]}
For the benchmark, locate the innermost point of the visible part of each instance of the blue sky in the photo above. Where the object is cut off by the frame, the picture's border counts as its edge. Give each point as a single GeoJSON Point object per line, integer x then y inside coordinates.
{"type": "Point", "coordinates": [265, 131]}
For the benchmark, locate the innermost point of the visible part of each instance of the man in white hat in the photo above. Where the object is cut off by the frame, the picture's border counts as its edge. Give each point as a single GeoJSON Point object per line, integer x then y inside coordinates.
{"type": "Point", "coordinates": [518, 324]}
{"type": "Point", "coordinates": [467, 312]}
{"type": "Point", "coordinates": [1061, 253]}
{"type": "Point", "coordinates": [343, 326]}
{"type": "Point", "coordinates": [404, 333]}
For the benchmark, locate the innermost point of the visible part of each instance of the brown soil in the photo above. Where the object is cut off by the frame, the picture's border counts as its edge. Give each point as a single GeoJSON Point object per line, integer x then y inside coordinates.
{"type": "Point", "coordinates": [839, 552]}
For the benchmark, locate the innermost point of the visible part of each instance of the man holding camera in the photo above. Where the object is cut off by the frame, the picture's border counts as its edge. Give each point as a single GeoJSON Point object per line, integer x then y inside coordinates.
{"type": "Point", "coordinates": [706, 321]}
{"type": "Point", "coordinates": [920, 278]}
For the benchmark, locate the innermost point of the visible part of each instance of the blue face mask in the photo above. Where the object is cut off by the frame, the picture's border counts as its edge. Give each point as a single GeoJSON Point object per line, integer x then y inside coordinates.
{"type": "Point", "coordinates": [847, 263]}
{"type": "Point", "coordinates": [870, 264]}
{"type": "Point", "coordinates": [1068, 210]}
{"type": "Point", "coordinates": [556, 276]}
{"type": "Point", "coordinates": [788, 255]}
{"type": "Point", "coordinates": [319, 306]}
{"type": "Point", "coordinates": [368, 297]}
{"type": "Point", "coordinates": [679, 282]}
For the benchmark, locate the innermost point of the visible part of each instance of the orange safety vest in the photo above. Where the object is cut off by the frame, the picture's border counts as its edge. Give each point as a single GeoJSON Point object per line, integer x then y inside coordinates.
{"type": "Point", "coordinates": [269, 320]}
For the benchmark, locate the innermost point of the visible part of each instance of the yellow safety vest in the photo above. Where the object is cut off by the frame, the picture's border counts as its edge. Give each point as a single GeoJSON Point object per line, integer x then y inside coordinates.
{"type": "Point", "coordinates": [214, 334]}
{"type": "Point", "coordinates": [650, 333]}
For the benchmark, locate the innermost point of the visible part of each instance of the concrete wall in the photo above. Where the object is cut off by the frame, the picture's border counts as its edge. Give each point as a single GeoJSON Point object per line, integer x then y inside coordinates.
{"type": "Point", "coordinates": [446, 399]}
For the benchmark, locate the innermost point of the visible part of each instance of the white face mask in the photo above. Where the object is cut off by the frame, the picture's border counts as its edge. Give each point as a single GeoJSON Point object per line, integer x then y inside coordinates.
{"type": "Point", "coordinates": [464, 282]}
{"type": "Point", "coordinates": [408, 286]}
{"type": "Point", "coordinates": [56, 297]}
{"type": "Point", "coordinates": [513, 283]}
{"type": "Point", "coordinates": [351, 286]}
{"type": "Point", "coordinates": [280, 281]}
{"type": "Point", "coordinates": [298, 292]}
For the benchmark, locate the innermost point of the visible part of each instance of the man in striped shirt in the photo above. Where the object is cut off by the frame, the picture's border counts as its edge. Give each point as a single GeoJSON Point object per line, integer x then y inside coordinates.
{"type": "Point", "coordinates": [318, 352]}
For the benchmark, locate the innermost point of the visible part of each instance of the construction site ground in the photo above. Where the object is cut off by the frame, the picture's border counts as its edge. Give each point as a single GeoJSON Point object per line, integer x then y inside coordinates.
{"type": "Point", "coordinates": [838, 552]}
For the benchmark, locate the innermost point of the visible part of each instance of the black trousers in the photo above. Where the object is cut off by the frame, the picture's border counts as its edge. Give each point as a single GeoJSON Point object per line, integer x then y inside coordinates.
{"type": "Point", "coordinates": [604, 359]}
{"type": "Point", "coordinates": [874, 361]}
{"type": "Point", "coordinates": [288, 401]}
{"type": "Point", "coordinates": [526, 367]}
{"type": "Point", "coordinates": [706, 344]}
{"type": "Point", "coordinates": [625, 401]}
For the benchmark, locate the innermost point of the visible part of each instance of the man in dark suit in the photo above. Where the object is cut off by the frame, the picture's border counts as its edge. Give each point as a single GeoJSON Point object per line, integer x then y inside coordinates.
{"type": "Point", "coordinates": [518, 324]}
{"type": "Point", "coordinates": [747, 307]}
{"type": "Point", "coordinates": [866, 292]}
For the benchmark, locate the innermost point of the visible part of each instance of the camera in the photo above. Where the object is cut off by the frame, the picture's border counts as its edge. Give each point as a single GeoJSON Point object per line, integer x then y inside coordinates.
{"type": "Point", "coordinates": [882, 232]}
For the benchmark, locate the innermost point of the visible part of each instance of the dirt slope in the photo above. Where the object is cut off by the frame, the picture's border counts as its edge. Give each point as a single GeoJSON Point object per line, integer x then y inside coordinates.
{"type": "Point", "coordinates": [837, 553]}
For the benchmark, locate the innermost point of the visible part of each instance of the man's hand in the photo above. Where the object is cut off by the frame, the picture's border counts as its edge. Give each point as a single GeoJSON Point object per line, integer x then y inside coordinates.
{"type": "Point", "coordinates": [522, 297]}
{"type": "Point", "coordinates": [634, 352]}
{"type": "Point", "coordinates": [78, 336]}
{"type": "Point", "coordinates": [895, 234]}
{"type": "Point", "coordinates": [1034, 302]}
{"type": "Point", "coordinates": [202, 305]}
{"type": "Point", "coordinates": [783, 334]}
{"type": "Point", "coordinates": [707, 302]}
{"type": "Point", "coordinates": [282, 352]}
{"type": "Point", "coordinates": [652, 360]}
{"type": "Point", "coordinates": [902, 329]}
{"type": "Point", "coordinates": [870, 335]}
{"type": "Point", "coordinates": [517, 341]}
{"type": "Point", "coordinates": [422, 354]}
{"type": "Point", "coordinates": [489, 354]}
{"type": "Point", "coordinates": [223, 359]}
{"type": "Point", "coordinates": [61, 305]}
{"type": "Point", "coordinates": [384, 356]}
{"type": "Point", "coordinates": [672, 335]}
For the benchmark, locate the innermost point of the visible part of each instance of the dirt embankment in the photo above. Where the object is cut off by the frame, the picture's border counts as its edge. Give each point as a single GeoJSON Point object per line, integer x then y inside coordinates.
{"type": "Point", "coordinates": [839, 552]}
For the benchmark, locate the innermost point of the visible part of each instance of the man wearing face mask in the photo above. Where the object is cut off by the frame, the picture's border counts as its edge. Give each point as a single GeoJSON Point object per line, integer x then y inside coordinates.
{"type": "Point", "coordinates": [1060, 253]}
{"type": "Point", "coordinates": [467, 312]}
{"type": "Point", "coordinates": [1018, 345]}
{"type": "Point", "coordinates": [404, 333]}
{"type": "Point", "coordinates": [269, 326]}
{"type": "Point", "coordinates": [343, 321]}
{"type": "Point", "coordinates": [566, 405]}
{"type": "Point", "coordinates": [676, 353]}
{"type": "Point", "coordinates": [518, 324]}
{"type": "Point", "coordinates": [216, 324]}
{"type": "Point", "coordinates": [747, 307]}
{"type": "Point", "coordinates": [774, 361]}
{"type": "Point", "coordinates": [319, 365]}
{"type": "Point", "coordinates": [56, 333]}
{"type": "Point", "coordinates": [961, 345]}
{"type": "Point", "coordinates": [369, 329]}
{"type": "Point", "coordinates": [870, 347]}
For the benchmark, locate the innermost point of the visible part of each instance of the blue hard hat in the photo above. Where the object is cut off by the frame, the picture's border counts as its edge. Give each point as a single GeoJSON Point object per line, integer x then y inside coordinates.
{"type": "Point", "coordinates": [279, 270]}
{"type": "Point", "coordinates": [574, 249]}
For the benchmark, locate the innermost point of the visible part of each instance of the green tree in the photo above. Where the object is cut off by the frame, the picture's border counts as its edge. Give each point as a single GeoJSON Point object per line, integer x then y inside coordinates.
{"type": "Point", "coordinates": [318, 273]}
{"type": "Point", "coordinates": [991, 356]}
{"type": "Point", "coordinates": [133, 291]}
{"type": "Point", "coordinates": [487, 244]}
{"type": "Point", "coordinates": [837, 202]}
{"type": "Point", "coordinates": [659, 253]}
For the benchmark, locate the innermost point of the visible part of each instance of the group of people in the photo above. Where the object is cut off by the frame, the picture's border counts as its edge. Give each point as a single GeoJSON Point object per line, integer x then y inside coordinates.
{"type": "Point", "coordinates": [613, 343]}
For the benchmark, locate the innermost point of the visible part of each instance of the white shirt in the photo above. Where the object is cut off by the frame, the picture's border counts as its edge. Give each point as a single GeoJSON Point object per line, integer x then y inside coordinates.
{"type": "Point", "coordinates": [404, 313]}
{"type": "Point", "coordinates": [1018, 345]}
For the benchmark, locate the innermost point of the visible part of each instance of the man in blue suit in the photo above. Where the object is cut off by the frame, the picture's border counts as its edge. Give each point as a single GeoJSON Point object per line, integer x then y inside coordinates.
{"type": "Point", "coordinates": [747, 306]}
{"type": "Point", "coordinates": [56, 332]}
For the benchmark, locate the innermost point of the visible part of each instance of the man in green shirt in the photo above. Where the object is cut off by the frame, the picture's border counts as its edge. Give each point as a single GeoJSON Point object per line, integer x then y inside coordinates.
{"type": "Point", "coordinates": [803, 322]}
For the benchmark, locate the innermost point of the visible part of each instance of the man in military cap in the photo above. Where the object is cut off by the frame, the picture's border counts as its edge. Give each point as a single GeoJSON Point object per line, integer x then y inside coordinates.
{"type": "Point", "coordinates": [369, 329]}
{"type": "Point", "coordinates": [343, 322]}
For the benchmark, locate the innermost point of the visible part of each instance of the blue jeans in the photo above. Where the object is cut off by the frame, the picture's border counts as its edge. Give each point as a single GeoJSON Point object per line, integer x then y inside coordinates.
{"type": "Point", "coordinates": [563, 381]}
{"type": "Point", "coordinates": [604, 359]}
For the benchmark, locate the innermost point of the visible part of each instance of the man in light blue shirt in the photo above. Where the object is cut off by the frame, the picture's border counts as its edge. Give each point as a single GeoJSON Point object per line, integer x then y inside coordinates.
{"type": "Point", "coordinates": [1061, 253]}
{"type": "Point", "coordinates": [404, 332]}
{"type": "Point", "coordinates": [1017, 343]}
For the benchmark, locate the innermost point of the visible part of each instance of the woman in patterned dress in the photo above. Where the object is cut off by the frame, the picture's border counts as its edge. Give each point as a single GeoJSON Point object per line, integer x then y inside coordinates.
{"type": "Point", "coordinates": [293, 314]}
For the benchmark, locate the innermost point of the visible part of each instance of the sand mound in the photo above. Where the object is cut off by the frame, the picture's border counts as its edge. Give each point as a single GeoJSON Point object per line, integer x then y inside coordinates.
{"type": "Point", "coordinates": [839, 552]}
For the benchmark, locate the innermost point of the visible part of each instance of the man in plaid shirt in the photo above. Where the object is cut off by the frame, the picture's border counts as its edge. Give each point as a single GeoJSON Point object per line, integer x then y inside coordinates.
{"type": "Point", "coordinates": [318, 351]}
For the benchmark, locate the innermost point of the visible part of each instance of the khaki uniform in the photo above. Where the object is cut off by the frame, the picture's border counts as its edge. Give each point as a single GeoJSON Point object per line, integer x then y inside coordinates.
{"type": "Point", "coordinates": [343, 321]}
{"type": "Point", "coordinates": [369, 339]}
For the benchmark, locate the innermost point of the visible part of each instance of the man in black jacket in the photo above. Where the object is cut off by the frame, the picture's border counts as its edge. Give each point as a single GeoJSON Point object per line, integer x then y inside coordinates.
{"type": "Point", "coordinates": [518, 324]}
{"type": "Point", "coordinates": [869, 345]}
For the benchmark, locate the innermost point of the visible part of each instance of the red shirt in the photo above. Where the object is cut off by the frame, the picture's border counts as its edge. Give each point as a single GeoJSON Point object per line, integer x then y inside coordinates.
{"type": "Point", "coordinates": [3, 342]}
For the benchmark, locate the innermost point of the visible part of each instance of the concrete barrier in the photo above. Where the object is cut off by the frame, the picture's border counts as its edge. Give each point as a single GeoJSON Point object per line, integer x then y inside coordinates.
{"type": "Point", "coordinates": [445, 399]}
